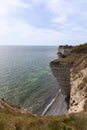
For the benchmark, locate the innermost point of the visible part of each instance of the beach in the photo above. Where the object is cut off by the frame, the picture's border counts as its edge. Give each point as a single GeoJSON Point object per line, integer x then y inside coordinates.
{"type": "Point", "coordinates": [58, 106]}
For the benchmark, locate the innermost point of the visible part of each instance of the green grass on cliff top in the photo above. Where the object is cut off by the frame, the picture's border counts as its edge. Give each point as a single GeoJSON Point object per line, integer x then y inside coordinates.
{"type": "Point", "coordinates": [76, 53]}
{"type": "Point", "coordinates": [15, 121]}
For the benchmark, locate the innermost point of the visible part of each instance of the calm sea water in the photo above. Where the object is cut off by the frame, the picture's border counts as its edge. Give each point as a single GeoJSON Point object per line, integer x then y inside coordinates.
{"type": "Point", "coordinates": [25, 76]}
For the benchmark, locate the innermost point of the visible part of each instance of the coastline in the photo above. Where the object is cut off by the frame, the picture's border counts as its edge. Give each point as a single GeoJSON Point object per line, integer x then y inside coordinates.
{"type": "Point", "coordinates": [58, 106]}
{"type": "Point", "coordinates": [51, 103]}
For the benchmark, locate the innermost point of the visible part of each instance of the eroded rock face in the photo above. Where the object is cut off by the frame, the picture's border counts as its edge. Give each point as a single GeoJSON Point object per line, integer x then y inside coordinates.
{"type": "Point", "coordinates": [71, 72]}
{"type": "Point", "coordinates": [60, 104]}
{"type": "Point", "coordinates": [72, 80]}
{"type": "Point", "coordinates": [78, 94]}
{"type": "Point", "coordinates": [62, 73]}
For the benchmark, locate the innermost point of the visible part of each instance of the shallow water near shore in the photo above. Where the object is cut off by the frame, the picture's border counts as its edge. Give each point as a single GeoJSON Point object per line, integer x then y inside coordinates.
{"type": "Point", "coordinates": [25, 76]}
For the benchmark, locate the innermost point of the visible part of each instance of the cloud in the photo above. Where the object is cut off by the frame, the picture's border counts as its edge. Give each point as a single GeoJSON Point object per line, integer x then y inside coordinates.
{"type": "Point", "coordinates": [65, 11]}
{"type": "Point", "coordinates": [15, 30]}
{"type": "Point", "coordinates": [61, 9]}
{"type": "Point", "coordinates": [7, 6]}
{"type": "Point", "coordinates": [22, 33]}
{"type": "Point", "coordinates": [67, 23]}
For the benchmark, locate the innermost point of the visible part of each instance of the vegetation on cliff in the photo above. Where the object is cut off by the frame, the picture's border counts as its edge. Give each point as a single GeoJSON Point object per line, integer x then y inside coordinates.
{"type": "Point", "coordinates": [17, 121]}
{"type": "Point", "coordinates": [76, 53]}
{"type": "Point", "coordinates": [14, 118]}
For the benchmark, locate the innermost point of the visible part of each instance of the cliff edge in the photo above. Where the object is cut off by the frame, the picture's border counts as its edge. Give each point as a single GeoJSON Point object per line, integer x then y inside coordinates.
{"type": "Point", "coordinates": [8, 107]}
{"type": "Point", "coordinates": [71, 72]}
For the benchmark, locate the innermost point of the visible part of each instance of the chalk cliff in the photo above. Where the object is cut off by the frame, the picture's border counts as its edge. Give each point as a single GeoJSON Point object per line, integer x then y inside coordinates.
{"type": "Point", "coordinates": [62, 73]}
{"type": "Point", "coordinates": [71, 72]}
{"type": "Point", "coordinates": [78, 93]}
{"type": "Point", "coordinates": [61, 70]}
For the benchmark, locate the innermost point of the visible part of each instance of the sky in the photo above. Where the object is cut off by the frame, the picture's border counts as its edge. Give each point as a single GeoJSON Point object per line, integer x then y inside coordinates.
{"type": "Point", "coordinates": [43, 22]}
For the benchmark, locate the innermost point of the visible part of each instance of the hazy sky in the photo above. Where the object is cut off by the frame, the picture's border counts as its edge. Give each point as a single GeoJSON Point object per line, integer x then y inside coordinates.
{"type": "Point", "coordinates": [43, 22]}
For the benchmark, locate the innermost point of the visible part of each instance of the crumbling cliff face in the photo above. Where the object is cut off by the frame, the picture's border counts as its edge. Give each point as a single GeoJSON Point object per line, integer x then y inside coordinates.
{"type": "Point", "coordinates": [62, 73]}
{"type": "Point", "coordinates": [78, 93]}
{"type": "Point", "coordinates": [61, 70]}
{"type": "Point", "coordinates": [71, 73]}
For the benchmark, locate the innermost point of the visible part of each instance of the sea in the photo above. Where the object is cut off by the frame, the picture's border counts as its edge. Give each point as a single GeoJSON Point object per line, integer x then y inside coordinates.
{"type": "Point", "coordinates": [26, 78]}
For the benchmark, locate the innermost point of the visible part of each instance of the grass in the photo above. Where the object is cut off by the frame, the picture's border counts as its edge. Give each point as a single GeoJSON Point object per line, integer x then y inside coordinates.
{"type": "Point", "coordinates": [12, 120]}
{"type": "Point", "coordinates": [76, 53]}
{"type": "Point", "coordinates": [15, 121]}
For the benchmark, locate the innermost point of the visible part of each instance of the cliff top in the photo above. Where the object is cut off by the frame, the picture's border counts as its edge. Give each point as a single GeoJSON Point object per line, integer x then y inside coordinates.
{"type": "Point", "coordinates": [70, 54]}
{"type": "Point", "coordinates": [76, 53]}
{"type": "Point", "coordinates": [12, 120]}
{"type": "Point", "coordinates": [15, 118]}
{"type": "Point", "coordinates": [65, 46]}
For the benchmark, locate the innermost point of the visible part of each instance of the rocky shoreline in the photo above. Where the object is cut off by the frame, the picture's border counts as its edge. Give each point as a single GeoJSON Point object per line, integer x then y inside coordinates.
{"type": "Point", "coordinates": [71, 75]}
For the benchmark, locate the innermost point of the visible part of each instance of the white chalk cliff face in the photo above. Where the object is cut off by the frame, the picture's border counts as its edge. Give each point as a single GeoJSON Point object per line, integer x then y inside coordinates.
{"type": "Point", "coordinates": [71, 72]}
{"type": "Point", "coordinates": [78, 94]}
